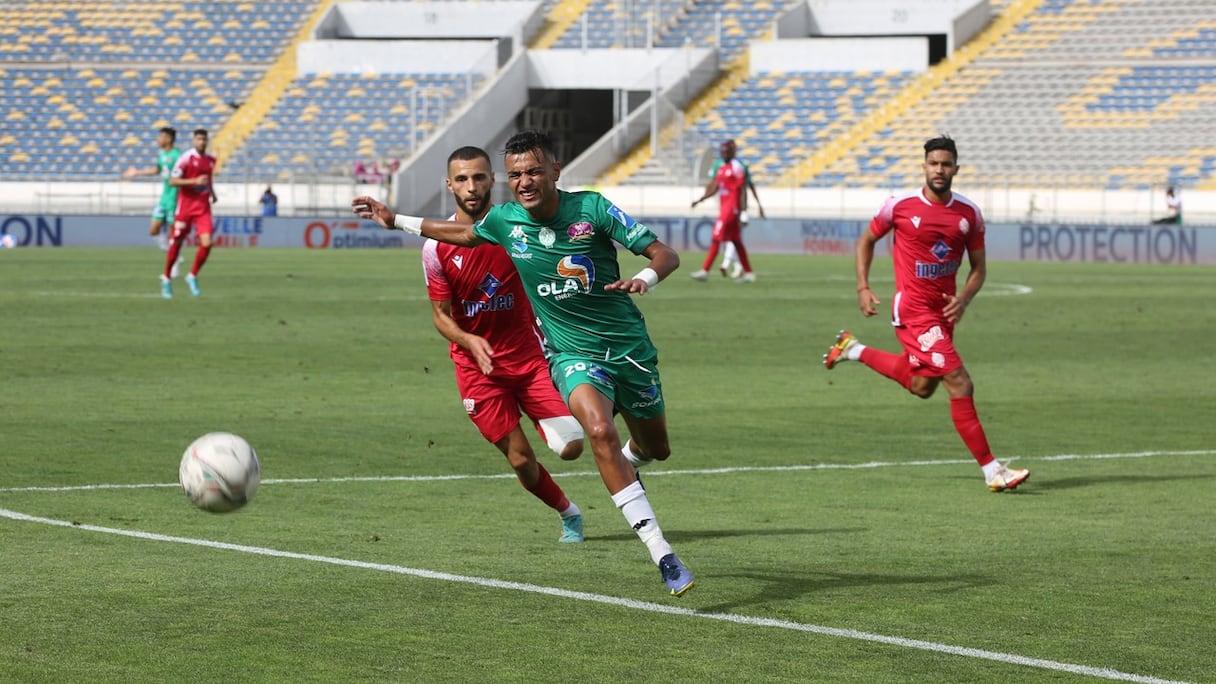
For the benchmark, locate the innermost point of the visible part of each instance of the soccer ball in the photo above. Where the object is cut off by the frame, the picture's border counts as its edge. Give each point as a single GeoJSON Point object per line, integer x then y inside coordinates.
{"type": "Point", "coordinates": [7, 241]}
{"type": "Point", "coordinates": [220, 472]}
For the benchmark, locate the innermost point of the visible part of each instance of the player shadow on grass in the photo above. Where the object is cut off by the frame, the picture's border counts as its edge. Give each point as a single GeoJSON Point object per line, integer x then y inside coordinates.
{"type": "Point", "coordinates": [691, 535]}
{"type": "Point", "coordinates": [1090, 481]}
{"type": "Point", "coordinates": [779, 587]}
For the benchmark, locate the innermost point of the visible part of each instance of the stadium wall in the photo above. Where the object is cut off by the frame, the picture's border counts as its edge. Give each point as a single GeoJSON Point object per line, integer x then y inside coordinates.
{"type": "Point", "coordinates": [1131, 244]}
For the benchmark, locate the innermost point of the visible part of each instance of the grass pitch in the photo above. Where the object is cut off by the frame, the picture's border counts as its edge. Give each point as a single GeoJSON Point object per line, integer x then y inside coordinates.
{"type": "Point", "coordinates": [838, 528]}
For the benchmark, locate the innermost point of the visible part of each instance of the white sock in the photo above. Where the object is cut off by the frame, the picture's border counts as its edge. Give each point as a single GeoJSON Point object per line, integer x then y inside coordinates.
{"type": "Point", "coordinates": [633, 457]}
{"type": "Point", "coordinates": [729, 254]}
{"type": "Point", "coordinates": [640, 516]}
{"type": "Point", "coordinates": [991, 468]}
{"type": "Point", "coordinates": [570, 512]}
{"type": "Point", "coordinates": [854, 352]}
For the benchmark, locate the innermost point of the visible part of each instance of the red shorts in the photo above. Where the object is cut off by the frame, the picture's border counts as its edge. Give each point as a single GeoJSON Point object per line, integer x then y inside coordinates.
{"type": "Point", "coordinates": [201, 222]}
{"type": "Point", "coordinates": [495, 402]}
{"type": "Point", "coordinates": [727, 229]}
{"type": "Point", "coordinates": [929, 343]}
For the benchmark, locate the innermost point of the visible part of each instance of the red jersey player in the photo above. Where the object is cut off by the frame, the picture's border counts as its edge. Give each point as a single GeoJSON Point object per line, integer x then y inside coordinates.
{"type": "Point", "coordinates": [479, 304]}
{"type": "Point", "coordinates": [932, 229]}
{"type": "Point", "coordinates": [730, 182]}
{"type": "Point", "coordinates": [193, 174]}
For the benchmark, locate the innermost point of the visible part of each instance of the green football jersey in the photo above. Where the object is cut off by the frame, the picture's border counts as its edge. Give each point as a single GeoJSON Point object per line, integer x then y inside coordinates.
{"type": "Point", "coordinates": [165, 159]}
{"type": "Point", "coordinates": [564, 264]}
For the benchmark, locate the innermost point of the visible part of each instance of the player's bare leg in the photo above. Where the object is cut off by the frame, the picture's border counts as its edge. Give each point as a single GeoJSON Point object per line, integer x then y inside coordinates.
{"type": "Point", "coordinates": [534, 478]}
{"type": "Point", "coordinates": [594, 411]}
{"type": "Point", "coordinates": [647, 440]}
{"type": "Point", "coordinates": [967, 422]}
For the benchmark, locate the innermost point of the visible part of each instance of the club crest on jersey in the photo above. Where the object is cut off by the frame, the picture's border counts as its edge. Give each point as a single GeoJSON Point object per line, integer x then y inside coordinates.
{"type": "Point", "coordinates": [580, 231]}
{"type": "Point", "coordinates": [964, 225]}
{"type": "Point", "coordinates": [547, 237]}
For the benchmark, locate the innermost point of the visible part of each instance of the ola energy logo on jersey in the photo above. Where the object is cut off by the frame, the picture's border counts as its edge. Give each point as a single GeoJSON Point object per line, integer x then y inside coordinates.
{"type": "Point", "coordinates": [575, 275]}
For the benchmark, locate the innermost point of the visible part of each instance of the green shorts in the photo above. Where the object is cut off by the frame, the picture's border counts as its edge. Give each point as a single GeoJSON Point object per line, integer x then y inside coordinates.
{"type": "Point", "coordinates": [165, 209]}
{"type": "Point", "coordinates": [634, 387]}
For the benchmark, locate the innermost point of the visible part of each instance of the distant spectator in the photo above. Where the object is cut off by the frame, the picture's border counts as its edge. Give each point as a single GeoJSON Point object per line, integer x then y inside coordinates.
{"type": "Point", "coordinates": [1173, 207]}
{"type": "Point", "coordinates": [364, 174]}
{"type": "Point", "coordinates": [270, 203]}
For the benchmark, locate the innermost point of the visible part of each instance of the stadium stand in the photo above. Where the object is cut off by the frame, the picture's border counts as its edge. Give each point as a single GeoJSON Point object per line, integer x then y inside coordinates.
{"type": "Point", "coordinates": [727, 24]}
{"type": "Point", "coordinates": [1115, 94]}
{"type": "Point", "coordinates": [325, 123]}
{"type": "Point", "coordinates": [101, 77]}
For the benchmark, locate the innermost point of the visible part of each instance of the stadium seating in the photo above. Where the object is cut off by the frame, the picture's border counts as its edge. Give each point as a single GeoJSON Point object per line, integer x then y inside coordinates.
{"type": "Point", "coordinates": [79, 123]}
{"type": "Point", "coordinates": [1081, 94]}
{"type": "Point", "coordinates": [624, 24]}
{"type": "Point", "coordinates": [325, 123]}
{"type": "Point", "coordinates": [779, 118]}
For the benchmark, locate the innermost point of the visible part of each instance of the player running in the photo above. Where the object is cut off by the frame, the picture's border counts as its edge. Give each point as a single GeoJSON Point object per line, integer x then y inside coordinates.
{"type": "Point", "coordinates": [600, 354]}
{"type": "Point", "coordinates": [193, 174]}
{"type": "Point", "coordinates": [730, 180]}
{"type": "Point", "coordinates": [166, 204]}
{"type": "Point", "coordinates": [933, 227]}
{"type": "Point", "coordinates": [479, 305]}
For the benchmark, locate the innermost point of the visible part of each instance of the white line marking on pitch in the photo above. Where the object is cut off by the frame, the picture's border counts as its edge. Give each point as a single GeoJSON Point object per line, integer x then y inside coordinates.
{"type": "Point", "coordinates": [1010, 658]}
{"type": "Point", "coordinates": [649, 473]}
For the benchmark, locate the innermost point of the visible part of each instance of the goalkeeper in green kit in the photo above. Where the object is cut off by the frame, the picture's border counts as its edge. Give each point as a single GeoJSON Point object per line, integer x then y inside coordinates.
{"type": "Point", "coordinates": [600, 354]}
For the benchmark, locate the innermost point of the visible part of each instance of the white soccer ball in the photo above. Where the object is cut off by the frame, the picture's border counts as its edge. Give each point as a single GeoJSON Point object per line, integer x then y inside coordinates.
{"type": "Point", "coordinates": [220, 472]}
{"type": "Point", "coordinates": [7, 241]}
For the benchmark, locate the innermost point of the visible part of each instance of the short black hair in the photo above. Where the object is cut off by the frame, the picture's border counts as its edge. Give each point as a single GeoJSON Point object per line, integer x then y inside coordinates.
{"type": "Point", "coordinates": [468, 153]}
{"type": "Point", "coordinates": [941, 142]}
{"type": "Point", "coordinates": [526, 141]}
{"type": "Point", "coordinates": [169, 131]}
{"type": "Point", "coordinates": [200, 131]}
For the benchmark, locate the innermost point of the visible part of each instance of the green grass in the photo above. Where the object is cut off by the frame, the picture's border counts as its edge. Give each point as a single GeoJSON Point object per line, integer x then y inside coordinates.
{"type": "Point", "coordinates": [328, 364]}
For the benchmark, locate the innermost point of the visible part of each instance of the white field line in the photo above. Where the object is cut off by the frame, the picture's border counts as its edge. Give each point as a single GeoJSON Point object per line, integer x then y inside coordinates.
{"type": "Point", "coordinates": [726, 470]}
{"type": "Point", "coordinates": [1010, 658]}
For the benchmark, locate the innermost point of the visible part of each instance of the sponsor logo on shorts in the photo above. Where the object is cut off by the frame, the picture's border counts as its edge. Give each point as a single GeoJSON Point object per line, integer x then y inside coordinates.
{"type": "Point", "coordinates": [649, 397]}
{"type": "Point", "coordinates": [930, 337]}
{"type": "Point", "coordinates": [580, 231]}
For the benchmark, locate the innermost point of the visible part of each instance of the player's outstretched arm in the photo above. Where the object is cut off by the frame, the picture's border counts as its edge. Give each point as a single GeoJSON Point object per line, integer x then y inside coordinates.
{"type": "Point", "coordinates": [132, 172]}
{"type": "Point", "coordinates": [863, 257]}
{"type": "Point", "coordinates": [663, 262]}
{"type": "Point", "coordinates": [450, 232]}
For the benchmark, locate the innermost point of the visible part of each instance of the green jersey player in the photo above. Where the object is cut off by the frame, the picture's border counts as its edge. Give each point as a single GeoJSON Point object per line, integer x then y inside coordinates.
{"type": "Point", "coordinates": [166, 206]}
{"type": "Point", "coordinates": [600, 354]}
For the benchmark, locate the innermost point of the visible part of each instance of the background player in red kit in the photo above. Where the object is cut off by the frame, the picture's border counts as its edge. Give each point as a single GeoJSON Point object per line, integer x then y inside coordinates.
{"type": "Point", "coordinates": [932, 229]}
{"type": "Point", "coordinates": [730, 183]}
{"type": "Point", "coordinates": [479, 304]}
{"type": "Point", "coordinates": [193, 174]}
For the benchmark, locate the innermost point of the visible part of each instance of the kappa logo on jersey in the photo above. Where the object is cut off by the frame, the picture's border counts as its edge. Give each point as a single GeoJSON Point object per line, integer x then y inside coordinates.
{"type": "Point", "coordinates": [580, 231]}
{"type": "Point", "coordinates": [930, 337]}
{"type": "Point", "coordinates": [517, 233]}
{"type": "Point", "coordinates": [940, 250]}
{"type": "Point", "coordinates": [916, 222]}
{"type": "Point", "coordinates": [626, 220]}
{"type": "Point", "coordinates": [575, 275]}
